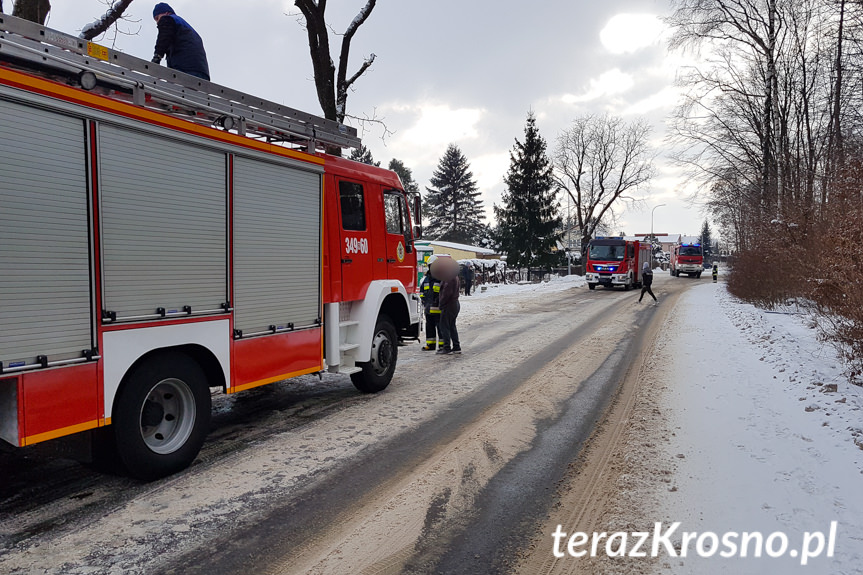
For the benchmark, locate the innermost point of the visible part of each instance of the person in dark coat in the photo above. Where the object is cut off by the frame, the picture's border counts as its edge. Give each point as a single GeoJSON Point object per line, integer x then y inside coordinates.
{"type": "Point", "coordinates": [450, 307]}
{"type": "Point", "coordinates": [467, 278]}
{"type": "Point", "coordinates": [430, 295]}
{"type": "Point", "coordinates": [646, 281]}
{"type": "Point", "coordinates": [180, 43]}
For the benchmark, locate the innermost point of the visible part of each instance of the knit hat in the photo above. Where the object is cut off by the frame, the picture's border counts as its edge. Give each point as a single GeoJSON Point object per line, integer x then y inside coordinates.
{"type": "Point", "coordinates": [162, 8]}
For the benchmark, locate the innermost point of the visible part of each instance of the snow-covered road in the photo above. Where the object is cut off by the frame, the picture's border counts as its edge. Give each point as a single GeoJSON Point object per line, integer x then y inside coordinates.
{"type": "Point", "coordinates": [767, 434]}
{"type": "Point", "coordinates": [728, 419]}
{"type": "Point", "coordinates": [741, 423]}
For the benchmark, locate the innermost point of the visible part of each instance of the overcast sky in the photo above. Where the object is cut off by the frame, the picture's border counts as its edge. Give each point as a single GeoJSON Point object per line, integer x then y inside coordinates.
{"type": "Point", "coordinates": [462, 71]}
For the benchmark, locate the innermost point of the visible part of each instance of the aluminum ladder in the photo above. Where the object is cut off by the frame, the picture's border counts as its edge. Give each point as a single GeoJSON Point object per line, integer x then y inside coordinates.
{"type": "Point", "coordinates": [54, 55]}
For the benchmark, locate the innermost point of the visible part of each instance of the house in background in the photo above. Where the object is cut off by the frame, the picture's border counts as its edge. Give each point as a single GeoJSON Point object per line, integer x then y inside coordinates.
{"type": "Point", "coordinates": [457, 251]}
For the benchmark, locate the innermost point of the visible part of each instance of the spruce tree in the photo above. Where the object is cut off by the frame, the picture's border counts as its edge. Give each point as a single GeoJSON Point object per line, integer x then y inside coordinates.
{"type": "Point", "coordinates": [529, 222]}
{"type": "Point", "coordinates": [453, 207]}
{"type": "Point", "coordinates": [364, 155]}
{"type": "Point", "coordinates": [706, 241]}
{"type": "Point", "coordinates": [406, 175]}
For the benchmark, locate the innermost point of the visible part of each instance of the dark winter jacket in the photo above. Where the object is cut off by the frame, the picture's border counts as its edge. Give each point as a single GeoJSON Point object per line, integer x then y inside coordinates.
{"type": "Point", "coordinates": [449, 292]}
{"type": "Point", "coordinates": [466, 274]}
{"type": "Point", "coordinates": [430, 293]}
{"type": "Point", "coordinates": [182, 45]}
{"type": "Point", "coordinates": [647, 278]}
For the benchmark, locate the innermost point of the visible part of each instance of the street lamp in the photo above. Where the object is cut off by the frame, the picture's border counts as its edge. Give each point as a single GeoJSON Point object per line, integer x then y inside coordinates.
{"type": "Point", "coordinates": [568, 237]}
{"type": "Point", "coordinates": [652, 237]}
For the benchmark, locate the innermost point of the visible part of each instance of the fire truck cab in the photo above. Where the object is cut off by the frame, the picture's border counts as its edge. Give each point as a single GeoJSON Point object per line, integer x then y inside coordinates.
{"type": "Point", "coordinates": [615, 261]}
{"type": "Point", "coordinates": [159, 238]}
{"type": "Point", "coordinates": [687, 257]}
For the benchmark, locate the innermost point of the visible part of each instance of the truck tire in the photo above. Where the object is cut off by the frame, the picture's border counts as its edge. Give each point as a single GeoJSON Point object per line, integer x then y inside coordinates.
{"type": "Point", "coordinates": [698, 275]}
{"type": "Point", "coordinates": [591, 286]}
{"type": "Point", "coordinates": [377, 373]}
{"type": "Point", "coordinates": [161, 415]}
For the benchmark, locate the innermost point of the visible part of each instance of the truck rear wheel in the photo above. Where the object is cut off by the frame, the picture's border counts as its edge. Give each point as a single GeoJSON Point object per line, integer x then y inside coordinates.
{"type": "Point", "coordinates": [377, 373]}
{"type": "Point", "coordinates": [161, 416]}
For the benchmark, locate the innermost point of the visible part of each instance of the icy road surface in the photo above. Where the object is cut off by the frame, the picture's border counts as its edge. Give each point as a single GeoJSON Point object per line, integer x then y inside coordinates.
{"type": "Point", "coordinates": [465, 464]}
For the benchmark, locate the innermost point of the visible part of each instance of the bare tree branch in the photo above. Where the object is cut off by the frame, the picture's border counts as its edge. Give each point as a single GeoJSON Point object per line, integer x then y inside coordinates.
{"type": "Point", "coordinates": [100, 26]}
{"type": "Point", "coordinates": [599, 161]}
{"type": "Point", "coordinates": [332, 87]}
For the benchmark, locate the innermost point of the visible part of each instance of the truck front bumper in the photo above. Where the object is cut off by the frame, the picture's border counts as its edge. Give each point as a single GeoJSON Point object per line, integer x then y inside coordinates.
{"type": "Point", "coordinates": [607, 279]}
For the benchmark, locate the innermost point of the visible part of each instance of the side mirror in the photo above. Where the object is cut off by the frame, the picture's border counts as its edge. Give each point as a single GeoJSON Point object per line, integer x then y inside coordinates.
{"type": "Point", "coordinates": [418, 217]}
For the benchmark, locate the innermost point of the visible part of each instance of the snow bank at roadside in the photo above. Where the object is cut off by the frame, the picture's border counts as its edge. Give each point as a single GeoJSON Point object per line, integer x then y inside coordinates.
{"type": "Point", "coordinates": [487, 303]}
{"type": "Point", "coordinates": [767, 434]}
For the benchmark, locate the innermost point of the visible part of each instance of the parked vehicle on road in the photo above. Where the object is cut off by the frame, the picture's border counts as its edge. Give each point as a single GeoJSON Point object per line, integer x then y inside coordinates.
{"type": "Point", "coordinates": [159, 237]}
{"type": "Point", "coordinates": [615, 261]}
{"type": "Point", "coordinates": [687, 257]}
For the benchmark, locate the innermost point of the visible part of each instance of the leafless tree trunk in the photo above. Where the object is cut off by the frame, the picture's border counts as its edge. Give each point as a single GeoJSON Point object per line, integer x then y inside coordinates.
{"type": "Point", "coordinates": [332, 89]}
{"type": "Point", "coordinates": [33, 10]}
{"type": "Point", "coordinates": [600, 161]}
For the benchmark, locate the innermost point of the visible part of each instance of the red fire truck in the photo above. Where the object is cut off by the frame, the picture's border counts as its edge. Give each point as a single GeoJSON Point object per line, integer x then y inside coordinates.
{"type": "Point", "coordinates": [687, 257]}
{"type": "Point", "coordinates": [615, 261]}
{"type": "Point", "coordinates": [161, 235]}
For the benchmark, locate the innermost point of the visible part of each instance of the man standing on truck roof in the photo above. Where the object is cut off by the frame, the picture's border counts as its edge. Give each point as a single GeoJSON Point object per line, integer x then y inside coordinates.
{"type": "Point", "coordinates": [180, 43]}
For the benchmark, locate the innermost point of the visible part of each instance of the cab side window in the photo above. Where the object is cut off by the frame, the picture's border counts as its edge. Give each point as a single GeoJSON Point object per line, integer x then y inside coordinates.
{"type": "Point", "coordinates": [353, 206]}
{"type": "Point", "coordinates": [394, 211]}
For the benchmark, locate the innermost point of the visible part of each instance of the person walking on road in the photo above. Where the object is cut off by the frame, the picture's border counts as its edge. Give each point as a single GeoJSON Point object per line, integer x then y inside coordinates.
{"type": "Point", "coordinates": [450, 307]}
{"type": "Point", "coordinates": [430, 295]}
{"type": "Point", "coordinates": [180, 43]}
{"type": "Point", "coordinates": [715, 272]}
{"type": "Point", "coordinates": [646, 281]}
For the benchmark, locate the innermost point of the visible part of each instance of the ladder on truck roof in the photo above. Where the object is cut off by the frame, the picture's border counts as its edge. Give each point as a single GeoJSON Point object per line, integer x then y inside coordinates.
{"type": "Point", "coordinates": [42, 51]}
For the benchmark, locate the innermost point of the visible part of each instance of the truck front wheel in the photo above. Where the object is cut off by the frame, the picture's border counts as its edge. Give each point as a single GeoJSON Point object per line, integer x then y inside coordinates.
{"type": "Point", "coordinates": [161, 416]}
{"type": "Point", "coordinates": [377, 373]}
{"type": "Point", "coordinates": [591, 286]}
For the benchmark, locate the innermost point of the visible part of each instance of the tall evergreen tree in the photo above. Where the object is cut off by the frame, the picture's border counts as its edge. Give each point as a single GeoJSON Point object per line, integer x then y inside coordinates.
{"type": "Point", "coordinates": [706, 241]}
{"type": "Point", "coordinates": [453, 207]}
{"type": "Point", "coordinates": [529, 221]}
{"type": "Point", "coordinates": [406, 175]}
{"type": "Point", "coordinates": [364, 155]}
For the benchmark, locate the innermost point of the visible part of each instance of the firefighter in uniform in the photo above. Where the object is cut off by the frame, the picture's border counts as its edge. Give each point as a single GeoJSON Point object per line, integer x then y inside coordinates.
{"type": "Point", "coordinates": [430, 294]}
{"type": "Point", "coordinates": [715, 271]}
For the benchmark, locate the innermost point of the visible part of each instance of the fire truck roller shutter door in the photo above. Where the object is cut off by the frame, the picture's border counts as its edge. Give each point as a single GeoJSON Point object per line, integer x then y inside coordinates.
{"type": "Point", "coordinates": [164, 222]}
{"type": "Point", "coordinates": [44, 245]}
{"type": "Point", "coordinates": [277, 245]}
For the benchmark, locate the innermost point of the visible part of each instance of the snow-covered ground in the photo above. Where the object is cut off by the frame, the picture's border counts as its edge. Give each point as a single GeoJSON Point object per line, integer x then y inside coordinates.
{"type": "Point", "coordinates": [766, 436]}
{"type": "Point", "coordinates": [483, 304]}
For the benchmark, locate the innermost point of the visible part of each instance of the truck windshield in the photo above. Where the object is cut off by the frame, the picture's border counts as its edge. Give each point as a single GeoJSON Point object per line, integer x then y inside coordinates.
{"type": "Point", "coordinates": [690, 251]}
{"type": "Point", "coordinates": [607, 253]}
